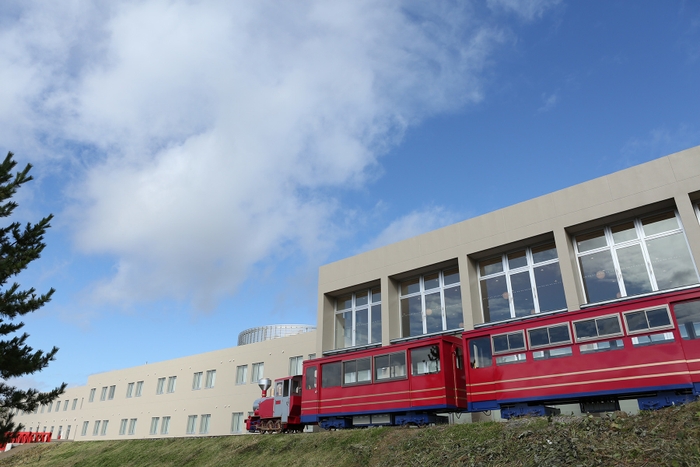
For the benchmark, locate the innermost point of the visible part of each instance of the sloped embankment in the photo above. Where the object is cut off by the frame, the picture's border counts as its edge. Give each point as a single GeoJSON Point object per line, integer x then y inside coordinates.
{"type": "Point", "coordinates": [668, 437]}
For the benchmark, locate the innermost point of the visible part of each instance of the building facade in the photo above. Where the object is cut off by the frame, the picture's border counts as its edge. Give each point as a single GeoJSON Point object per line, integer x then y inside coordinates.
{"type": "Point", "coordinates": [208, 394]}
{"type": "Point", "coordinates": [628, 234]}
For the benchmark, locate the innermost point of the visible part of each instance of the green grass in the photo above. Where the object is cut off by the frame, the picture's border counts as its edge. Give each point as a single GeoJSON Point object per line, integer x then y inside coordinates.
{"type": "Point", "coordinates": [668, 437]}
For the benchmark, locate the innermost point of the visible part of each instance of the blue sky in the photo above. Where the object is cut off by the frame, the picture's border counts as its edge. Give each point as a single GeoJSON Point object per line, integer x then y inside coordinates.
{"type": "Point", "coordinates": [203, 159]}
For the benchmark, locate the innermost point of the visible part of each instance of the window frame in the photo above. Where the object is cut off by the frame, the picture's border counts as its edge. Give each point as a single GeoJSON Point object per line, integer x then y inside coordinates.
{"type": "Point", "coordinates": [641, 239]}
{"type": "Point", "coordinates": [241, 370]}
{"type": "Point", "coordinates": [506, 272]}
{"type": "Point", "coordinates": [599, 336]}
{"type": "Point", "coordinates": [422, 292]}
{"type": "Point", "coordinates": [356, 372]}
{"type": "Point", "coordinates": [160, 386]}
{"type": "Point", "coordinates": [550, 344]}
{"type": "Point", "coordinates": [373, 305]}
{"type": "Point", "coordinates": [494, 352]}
{"type": "Point", "coordinates": [296, 365]}
{"type": "Point", "coordinates": [210, 379]}
{"type": "Point", "coordinates": [391, 377]}
{"type": "Point", "coordinates": [197, 380]}
{"type": "Point", "coordinates": [648, 329]}
{"type": "Point", "coordinates": [172, 381]}
{"type": "Point", "coordinates": [257, 372]}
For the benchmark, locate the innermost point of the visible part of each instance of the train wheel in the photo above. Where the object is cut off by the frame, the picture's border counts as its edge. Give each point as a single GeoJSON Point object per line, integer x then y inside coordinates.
{"type": "Point", "coordinates": [277, 426]}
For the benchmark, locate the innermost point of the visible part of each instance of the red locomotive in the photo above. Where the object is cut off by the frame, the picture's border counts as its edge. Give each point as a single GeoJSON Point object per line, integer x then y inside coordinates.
{"type": "Point", "coordinates": [646, 349]}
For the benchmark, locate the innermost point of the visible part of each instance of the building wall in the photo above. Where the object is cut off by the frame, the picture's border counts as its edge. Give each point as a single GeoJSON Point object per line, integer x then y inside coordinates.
{"type": "Point", "coordinates": [220, 401]}
{"type": "Point", "coordinates": [671, 182]}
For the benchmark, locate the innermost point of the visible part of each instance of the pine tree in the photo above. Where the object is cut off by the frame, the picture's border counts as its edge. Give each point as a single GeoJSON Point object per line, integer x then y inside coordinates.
{"type": "Point", "coordinates": [19, 247]}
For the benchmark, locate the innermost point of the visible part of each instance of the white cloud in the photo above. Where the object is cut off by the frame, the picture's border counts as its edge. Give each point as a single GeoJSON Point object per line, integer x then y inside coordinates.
{"type": "Point", "coordinates": [212, 135]}
{"type": "Point", "coordinates": [526, 9]}
{"type": "Point", "coordinates": [549, 101]}
{"type": "Point", "coordinates": [412, 224]}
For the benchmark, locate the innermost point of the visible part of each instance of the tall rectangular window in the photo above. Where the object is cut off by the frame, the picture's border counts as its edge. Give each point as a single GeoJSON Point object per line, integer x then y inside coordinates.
{"type": "Point", "coordinates": [191, 424]}
{"type": "Point", "coordinates": [132, 426]}
{"type": "Point", "coordinates": [104, 427]}
{"type": "Point", "coordinates": [204, 424]}
{"type": "Point", "coordinates": [165, 426]}
{"type": "Point", "coordinates": [96, 428]}
{"type": "Point", "coordinates": [129, 390]}
{"type": "Point", "coordinates": [237, 422]}
{"type": "Point", "coordinates": [295, 365]}
{"type": "Point", "coordinates": [160, 386]}
{"type": "Point", "coordinates": [358, 318]}
{"type": "Point", "coordinates": [83, 432]}
{"type": "Point", "coordinates": [241, 374]}
{"type": "Point", "coordinates": [92, 395]}
{"type": "Point", "coordinates": [431, 303]}
{"type": "Point", "coordinates": [122, 426]}
{"type": "Point", "coordinates": [258, 369]}
{"type": "Point", "coordinates": [635, 257]}
{"type": "Point", "coordinates": [521, 283]}
{"type": "Point", "coordinates": [112, 389]}
{"type": "Point", "coordinates": [75, 404]}
{"type": "Point", "coordinates": [154, 425]}
{"type": "Point", "coordinates": [197, 381]}
{"type": "Point", "coordinates": [103, 393]}
{"type": "Point", "coordinates": [65, 405]}
{"type": "Point", "coordinates": [171, 383]}
{"type": "Point", "coordinates": [210, 379]}
{"type": "Point", "coordinates": [139, 388]}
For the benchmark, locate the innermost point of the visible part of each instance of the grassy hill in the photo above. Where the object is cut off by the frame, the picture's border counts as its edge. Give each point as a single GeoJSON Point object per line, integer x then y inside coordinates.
{"type": "Point", "coordinates": [668, 437]}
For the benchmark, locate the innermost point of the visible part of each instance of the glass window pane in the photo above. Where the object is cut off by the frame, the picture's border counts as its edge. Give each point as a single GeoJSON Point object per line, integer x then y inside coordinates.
{"type": "Point", "coordinates": [411, 317]}
{"type": "Point", "coordinates": [658, 318]}
{"type": "Point", "coordinates": [453, 307]}
{"type": "Point", "coordinates": [671, 261]}
{"type": "Point", "coordinates": [586, 329]}
{"type": "Point", "coordinates": [538, 337]}
{"type": "Point", "coordinates": [382, 367]}
{"type": "Point", "coordinates": [559, 334]}
{"type": "Point", "coordinates": [544, 252]}
{"type": "Point", "coordinates": [376, 295]}
{"type": "Point", "coordinates": [491, 266]}
{"type": "Point", "coordinates": [634, 270]}
{"type": "Point", "coordinates": [480, 353]}
{"type": "Point", "coordinates": [361, 327]}
{"type": "Point", "coordinates": [550, 288]}
{"type": "Point", "coordinates": [599, 277]}
{"type": "Point", "coordinates": [451, 276]}
{"type": "Point", "coordinates": [433, 313]}
{"type": "Point", "coordinates": [688, 317]}
{"type": "Point", "coordinates": [636, 321]}
{"type": "Point", "coordinates": [500, 343]}
{"type": "Point", "coordinates": [523, 300]}
{"type": "Point", "coordinates": [361, 299]}
{"type": "Point", "coordinates": [343, 330]}
{"type": "Point", "coordinates": [349, 372]}
{"type": "Point", "coordinates": [494, 299]}
{"type": "Point", "coordinates": [425, 360]}
{"type": "Point", "coordinates": [607, 326]}
{"type": "Point", "coordinates": [624, 232]}
{"type": "Point", "coordinates": [364, 370]}
{"type": "Point", "coordinates": [516, 340]}
{"type": "Point", "coordinates": [660, 223]}
{"type": "Point", "coordinates": [376, 323]}
{"type": "Point", "coordinates": [517, 259]}
{"type": "Point", "coordinates": [591, 241]}
{"type": "Point", "coordinates": [398, 364]}
{"type": "Point", "coordinates": [344, 302]}
{"type": "Point", "coordinates": [431, 281]}
{"type": "Point", "coordinates": [330, 375]}
{"type": "Point", "coordinates": [410, 286]}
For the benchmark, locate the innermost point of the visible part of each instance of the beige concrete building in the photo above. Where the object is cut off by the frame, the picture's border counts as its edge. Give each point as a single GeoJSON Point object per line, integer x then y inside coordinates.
{"type": "Point", "coordinates": [208, 394]}
{"type": "Point", "coordinates": [627, 234]}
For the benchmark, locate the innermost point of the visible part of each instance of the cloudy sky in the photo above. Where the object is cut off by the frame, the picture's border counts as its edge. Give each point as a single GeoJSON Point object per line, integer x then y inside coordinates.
{"type": "Point", "coordinates": [204, 158]}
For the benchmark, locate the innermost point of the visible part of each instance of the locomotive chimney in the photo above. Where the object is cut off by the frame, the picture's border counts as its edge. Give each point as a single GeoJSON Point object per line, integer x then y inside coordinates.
{"type": "Point", "coordinates": [264, 384]}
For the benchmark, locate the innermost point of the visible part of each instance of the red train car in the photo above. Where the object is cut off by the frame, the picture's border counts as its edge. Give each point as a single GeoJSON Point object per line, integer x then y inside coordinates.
{"type": "Point", "coordinates": [279, 412]}
{"type": "Point", "coordinates": [646, 349]}
{"type": "Point", "coordinates": [405, 383]}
